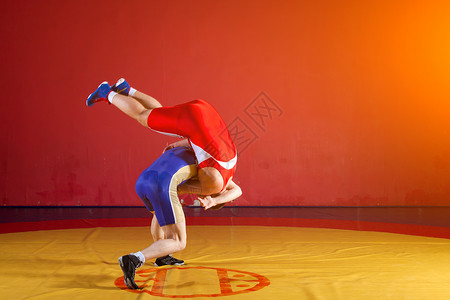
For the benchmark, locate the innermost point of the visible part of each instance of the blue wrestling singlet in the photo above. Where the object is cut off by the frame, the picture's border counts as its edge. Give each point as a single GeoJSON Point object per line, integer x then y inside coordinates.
{"type": "Point", "coordinates": [157, 185]}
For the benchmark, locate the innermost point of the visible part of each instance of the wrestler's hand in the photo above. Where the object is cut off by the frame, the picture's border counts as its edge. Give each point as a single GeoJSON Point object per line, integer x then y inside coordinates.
{"type": "Point", "coordinates": [168, 147]}
{"type": "Point", "coordinates": [206, 201]}
{"type": "Point", "coordinates": [218, 206]}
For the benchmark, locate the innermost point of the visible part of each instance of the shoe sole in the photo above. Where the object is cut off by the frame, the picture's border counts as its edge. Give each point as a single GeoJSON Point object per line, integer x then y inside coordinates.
{"type": "Point", "coordinates": [177, 264]}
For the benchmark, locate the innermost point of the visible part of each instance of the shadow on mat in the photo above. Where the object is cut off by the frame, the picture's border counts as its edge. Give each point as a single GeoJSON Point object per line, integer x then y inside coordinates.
{"type": "Point", "coordinates": [84, 281]}
{"type": "Point", "coordinates": [74, 273]}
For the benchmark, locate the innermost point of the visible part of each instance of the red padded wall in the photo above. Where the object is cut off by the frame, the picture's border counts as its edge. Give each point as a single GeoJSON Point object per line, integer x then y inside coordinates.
{"type": "Point", "coordinates": [330, 102]}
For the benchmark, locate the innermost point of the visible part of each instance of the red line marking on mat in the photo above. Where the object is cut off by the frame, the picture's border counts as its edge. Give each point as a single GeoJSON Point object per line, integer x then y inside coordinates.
{"type": "Point", "coordinates": [409, 229]}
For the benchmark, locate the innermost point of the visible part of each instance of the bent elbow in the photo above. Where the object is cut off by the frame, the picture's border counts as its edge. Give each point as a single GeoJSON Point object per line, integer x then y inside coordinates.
{"type": "Point", "coordinates": [238, 191]}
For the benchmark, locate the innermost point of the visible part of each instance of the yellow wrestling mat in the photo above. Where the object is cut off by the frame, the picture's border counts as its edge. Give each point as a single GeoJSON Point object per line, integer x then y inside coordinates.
{"type": "Point", "coordinates": [229, 262]}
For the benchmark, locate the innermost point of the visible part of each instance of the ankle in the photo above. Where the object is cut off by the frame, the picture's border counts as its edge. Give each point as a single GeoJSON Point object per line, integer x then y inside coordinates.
{"type": "Point", "coordinates": [111, 96]}
{"type": "Point", "coordinates": [140, 256]}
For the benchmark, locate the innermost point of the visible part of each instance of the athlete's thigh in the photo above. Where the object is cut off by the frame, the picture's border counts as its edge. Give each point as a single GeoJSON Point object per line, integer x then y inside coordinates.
{"type": "Point", "coordinates": [180, 120]}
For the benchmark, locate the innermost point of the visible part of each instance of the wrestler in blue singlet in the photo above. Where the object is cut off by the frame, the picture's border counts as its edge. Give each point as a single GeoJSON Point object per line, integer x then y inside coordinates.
{"type": "Point", "coordinates": [157, 185]}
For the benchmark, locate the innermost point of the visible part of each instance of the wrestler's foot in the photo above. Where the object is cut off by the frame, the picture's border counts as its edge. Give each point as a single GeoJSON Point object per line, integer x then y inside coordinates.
{"type": "Point", "coordinates": [168, 260]}
{"type": "Point", "coordinates": [121, 87]}
{"type": "Point", "coordinates": [100, 94]}
{"type": "Point", "coordinates": [129, 263]}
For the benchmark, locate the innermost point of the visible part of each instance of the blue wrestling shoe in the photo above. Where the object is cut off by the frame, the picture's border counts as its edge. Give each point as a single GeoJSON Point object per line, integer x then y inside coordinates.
{"type": "Point", "coordinates": [129, 263]}
{"type": "Point", "coordinates": [121, 87]}
{"type": "Point", "coordinates": [100, 94]}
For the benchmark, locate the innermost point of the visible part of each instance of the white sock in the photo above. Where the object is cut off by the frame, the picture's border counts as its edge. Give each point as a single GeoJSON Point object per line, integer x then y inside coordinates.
{"type": "Point", "coordinates": [131, 92]}
{"type": "Point", "coordinates": [111, 96]}
{"type": "Point", "coordinates": [140, 256]}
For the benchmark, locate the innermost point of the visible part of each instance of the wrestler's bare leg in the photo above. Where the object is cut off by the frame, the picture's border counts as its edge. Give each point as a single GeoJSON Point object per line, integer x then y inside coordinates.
{"type": "Point", "coordinates": [174, 241]}
{"type": "Point", "coordinates": [132, 108]}
{"type": "Point", "coordinates": [157, 232]}
{"type": "Point", "coordinates": [147, 101]}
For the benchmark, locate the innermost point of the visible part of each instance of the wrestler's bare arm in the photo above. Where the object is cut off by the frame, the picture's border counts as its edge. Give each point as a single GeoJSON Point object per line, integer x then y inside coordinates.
{"type": "Point", "coordinates": [231, 192]}
{"type": "Point", "coordinates": [180, 143]}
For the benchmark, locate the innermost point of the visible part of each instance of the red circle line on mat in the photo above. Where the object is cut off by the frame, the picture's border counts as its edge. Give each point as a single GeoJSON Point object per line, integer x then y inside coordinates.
{"type": "Point", "coordinates": [256, 282]}
{"type": "Point", "coordinates": [409, 229]}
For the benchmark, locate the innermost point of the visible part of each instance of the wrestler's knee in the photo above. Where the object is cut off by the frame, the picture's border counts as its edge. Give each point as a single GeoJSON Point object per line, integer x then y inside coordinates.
{"type": "Point", "coordinates": [172, 232]}
{"type": "Point", "coordinates": [179, 244]}
{"type": "Point", "coordinates": [143, 117]}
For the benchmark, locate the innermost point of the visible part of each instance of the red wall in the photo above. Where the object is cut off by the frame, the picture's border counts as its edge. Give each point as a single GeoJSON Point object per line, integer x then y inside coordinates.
{"type": "Point", "coordinates": [356, 94]}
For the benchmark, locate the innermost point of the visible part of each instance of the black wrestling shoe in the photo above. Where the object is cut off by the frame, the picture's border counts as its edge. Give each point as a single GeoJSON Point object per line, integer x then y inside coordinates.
{"type": "Point", "coordinates": [129, 263]}
{"type": "Point", "coordinates": [168, 260]}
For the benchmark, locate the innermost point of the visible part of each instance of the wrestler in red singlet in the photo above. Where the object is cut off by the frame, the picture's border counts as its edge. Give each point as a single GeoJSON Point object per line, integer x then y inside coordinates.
{"type": "Point", "coordinates": [205, 130]}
